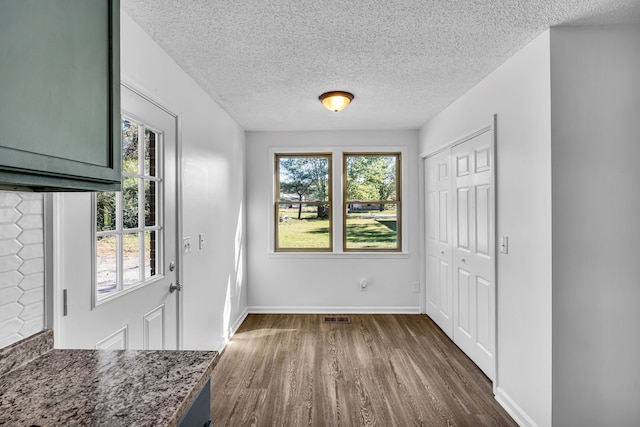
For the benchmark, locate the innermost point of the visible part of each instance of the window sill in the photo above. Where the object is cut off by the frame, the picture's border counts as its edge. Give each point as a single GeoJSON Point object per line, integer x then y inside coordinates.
{"type": "Point", "coordinates": [339, 255]}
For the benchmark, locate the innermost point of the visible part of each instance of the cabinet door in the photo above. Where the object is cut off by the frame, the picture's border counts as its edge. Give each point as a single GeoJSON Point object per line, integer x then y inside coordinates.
{"type": "Point", "coordinates": [59, 94]}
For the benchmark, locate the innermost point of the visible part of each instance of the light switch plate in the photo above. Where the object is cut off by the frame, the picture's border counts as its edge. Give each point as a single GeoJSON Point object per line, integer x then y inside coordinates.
{"type": "Point", "coordinates": [201, 241]}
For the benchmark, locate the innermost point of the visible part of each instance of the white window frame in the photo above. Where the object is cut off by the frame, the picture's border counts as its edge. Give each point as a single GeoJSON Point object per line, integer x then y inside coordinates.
{"type": "Point", "coordinates": [121, 290]}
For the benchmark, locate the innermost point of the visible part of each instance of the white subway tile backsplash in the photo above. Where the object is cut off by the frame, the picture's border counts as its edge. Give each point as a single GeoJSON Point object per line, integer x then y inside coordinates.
{"type": "Point", "coordinates": [31, 251]}
{"type": "Point", "coordinates": [9, 200]}
{"type": "Point", "coordinates": [32, 266]}
{"type": "Point", "coordinates": [32, 296]}
{"type": "Point", "coordinates": [21, 266]}
{"type": "Point", "coordinates": [31, 327]}
{"type": "Point", "coordinates": [32, 281]}
{"type": "Point", "coordinates": [10, 311]}
{"type": "Point", "coordinates": [32, 311]}
{"type": "Point", "coordinates": [30, 222]}
{"type": "Point", "coordinates": [9, 247]}
{"type": "Point", "coordinates": [33, 206]}
{"type": "Point", "coordinates": [8, 295]}
{"type": "Point", "coordinates": [10, 278]}
{"type": "Point", "coordinates": [9, 231]}
{"type": "Point", "coordinates": [10, 263]}
{"type": "Point", "coordinates": [29, 237]}
{"type": "Point", "coordinates": [8, 215]}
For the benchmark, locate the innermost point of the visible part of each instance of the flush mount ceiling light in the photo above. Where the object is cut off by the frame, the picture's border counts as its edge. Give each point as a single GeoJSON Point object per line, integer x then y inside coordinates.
{"type": "Point", "coordinates": [336, 100]}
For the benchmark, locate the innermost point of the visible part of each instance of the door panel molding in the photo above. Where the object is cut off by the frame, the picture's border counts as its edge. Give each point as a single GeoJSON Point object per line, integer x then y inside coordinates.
{"type": "Point", "coordinates": [118, 340]}
{"type": "Point", "coordinates": [154, 329]}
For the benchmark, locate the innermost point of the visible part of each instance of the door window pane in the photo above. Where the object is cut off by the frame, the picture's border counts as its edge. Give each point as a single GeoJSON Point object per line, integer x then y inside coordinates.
{"type": "Point", "coordinates": [150, 254]}
{"type": "Point", "coordinates": [150, 138]}
{"type": "Point", "coordinates": [130, 203]}
{"type": "Point", "coordinates": [107, 254]}
{"type": "Point", "coordinates": [129, 147]}
{"type": "Point", "coordinates": [106, 211]}
{"type": "Point", "coordinates": [131, 273]}
{"type": "Point", "coordinates": [150, 202]}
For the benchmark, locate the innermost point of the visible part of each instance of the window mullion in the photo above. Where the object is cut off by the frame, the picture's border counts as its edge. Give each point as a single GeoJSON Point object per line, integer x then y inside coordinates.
{"type": "Point", "coordinates": [119, 248]}
{"type": "Point", "coordinates": [141, 203]}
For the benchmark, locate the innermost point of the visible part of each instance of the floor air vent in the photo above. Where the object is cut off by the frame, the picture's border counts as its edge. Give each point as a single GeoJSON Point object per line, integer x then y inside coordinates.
{"type": "Point", "coordinates": [334, 319]}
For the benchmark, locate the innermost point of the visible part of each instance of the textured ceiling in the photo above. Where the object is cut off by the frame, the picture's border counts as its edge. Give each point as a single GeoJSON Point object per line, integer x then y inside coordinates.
{"type": "Point", "coordinates": [267, 61]}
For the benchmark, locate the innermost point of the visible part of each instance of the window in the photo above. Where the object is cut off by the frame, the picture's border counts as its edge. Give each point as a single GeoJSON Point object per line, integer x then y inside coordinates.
{"type": "Point", "coordinates": [372, 203]}
{"type": "Point", "coordinates": [128, 227]}
{"type": "Point", "coordinates": [369, 207]}
{"type": "Point", "coordinates": [303, 202]}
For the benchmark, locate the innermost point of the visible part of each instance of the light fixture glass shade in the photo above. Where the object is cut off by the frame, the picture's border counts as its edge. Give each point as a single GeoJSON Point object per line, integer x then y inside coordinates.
{"type": "Point", "coordinates": [336, 100]}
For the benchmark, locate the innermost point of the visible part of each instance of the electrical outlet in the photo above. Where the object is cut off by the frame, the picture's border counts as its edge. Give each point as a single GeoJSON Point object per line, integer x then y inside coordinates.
{"type": "Point", "coordinates": [186, 245]}
{"type": "Point", "coordinates": [415, 287]}
{"type": "Point", "coordinates": [201, 241]}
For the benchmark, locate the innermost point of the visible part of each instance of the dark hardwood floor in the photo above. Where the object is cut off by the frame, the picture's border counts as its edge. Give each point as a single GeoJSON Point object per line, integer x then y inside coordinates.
{"type": "Point", "coordinates": [378, 370]}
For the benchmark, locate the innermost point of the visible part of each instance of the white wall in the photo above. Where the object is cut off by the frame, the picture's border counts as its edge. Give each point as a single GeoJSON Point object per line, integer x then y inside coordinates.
{"type": "Point", "coordinates": [283, 282]}
{"type": "Point", "coordinates": [595, 93]}
{"type": "Point", "coordinates": [518, 92]}
{"type": "Point", "coordinates": [22, 280]}
{"type": "Point", "coordinates": [213, 145]}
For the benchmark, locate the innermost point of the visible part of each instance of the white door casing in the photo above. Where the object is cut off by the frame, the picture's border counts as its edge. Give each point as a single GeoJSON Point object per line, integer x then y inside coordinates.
{"type": "Point", "coordinates": [460, 245]}
{"type": "Point", "coordinates": [146, 316]}
{"type": "Point", "coordinates": [439, 295]}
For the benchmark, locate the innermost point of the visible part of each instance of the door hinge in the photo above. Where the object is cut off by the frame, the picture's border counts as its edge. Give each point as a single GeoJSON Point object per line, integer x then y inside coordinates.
{"type": "Point", "coordinates": [64, 302]}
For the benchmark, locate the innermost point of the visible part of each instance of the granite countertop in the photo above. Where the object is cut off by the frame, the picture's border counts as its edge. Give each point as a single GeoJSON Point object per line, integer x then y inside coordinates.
{"type": "Point", "coordinates": [99, 387]}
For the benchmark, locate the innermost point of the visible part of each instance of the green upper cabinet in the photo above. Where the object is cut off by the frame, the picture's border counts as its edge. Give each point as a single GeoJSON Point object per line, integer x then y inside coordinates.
{"type": "Point", "coordinates": [60, 95]}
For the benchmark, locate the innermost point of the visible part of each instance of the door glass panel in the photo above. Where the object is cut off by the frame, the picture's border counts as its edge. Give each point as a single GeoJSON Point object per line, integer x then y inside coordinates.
{"type": "Point", "coordinates": [130, 203]}
{"type": "Point", "coordinates": [130, 147]}
{"type": "Point", "coordinates": [150, 202]}
{"type": "Point", "coordinates": [107, 253]}
{"type": "Point", "coordinates": [150, 138]}
{"type": "Point", "coordinates": [150, 254]}
{"type": "Point", "coordinates": [131, 258]}
{"type": "Point", "coordinates": [106, 211]}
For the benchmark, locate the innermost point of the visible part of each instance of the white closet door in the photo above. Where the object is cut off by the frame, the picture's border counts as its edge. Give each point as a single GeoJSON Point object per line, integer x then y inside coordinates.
{"type": "Point", "coordinates": [473, 250]}
{"type": "Point", "coordinates": [439, 293]}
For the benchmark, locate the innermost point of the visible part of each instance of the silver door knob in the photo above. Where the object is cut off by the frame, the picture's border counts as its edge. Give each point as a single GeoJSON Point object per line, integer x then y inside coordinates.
{"type": "Point", "coordinates": [175, 287]}
{"type": "Point", "coordinates": [441, 252]}
{"type": "Point", "coordinates": [463, 260]}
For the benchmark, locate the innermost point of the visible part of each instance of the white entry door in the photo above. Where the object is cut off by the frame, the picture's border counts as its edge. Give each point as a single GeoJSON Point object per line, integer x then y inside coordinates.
{"type": "Point", "coordinates": [439, 295]}
{"type": "Point", "coordinates": [116, 253]}
{"type": "Point", "coordinates": [473, 250]}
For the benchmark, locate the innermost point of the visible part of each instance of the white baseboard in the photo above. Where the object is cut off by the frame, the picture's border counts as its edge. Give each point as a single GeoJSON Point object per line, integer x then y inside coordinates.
{"type": "Point", "coordinates": [238, 322]}
{"type": "Point", "coordinates": [234, 329]}
{"type": "Point", "coordinates": [332, 310]}
{"type": "Point", "coordinates": [516, 412]}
